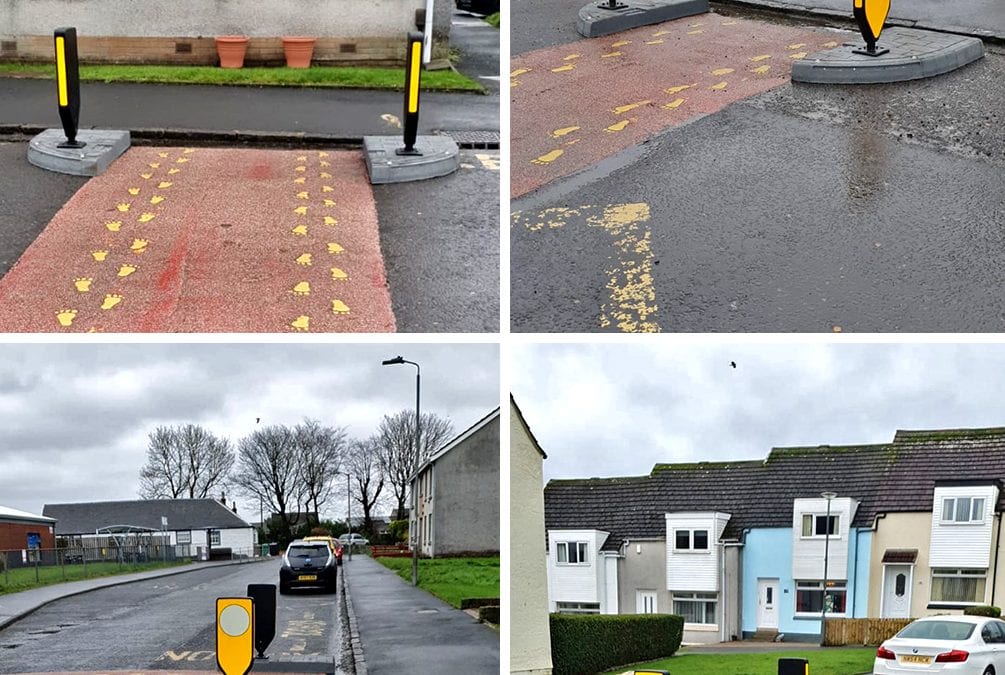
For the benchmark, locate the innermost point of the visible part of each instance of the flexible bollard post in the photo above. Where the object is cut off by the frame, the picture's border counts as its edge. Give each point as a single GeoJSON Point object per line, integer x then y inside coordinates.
{"type": "Point", "coordinates": [68, 84]}
{"type": "Point", "coordinates": [870, 15]}
{"type": "Point", "coordinates": [413, 70]}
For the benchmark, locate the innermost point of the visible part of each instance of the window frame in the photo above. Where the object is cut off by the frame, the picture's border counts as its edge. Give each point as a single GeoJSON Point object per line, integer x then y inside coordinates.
{"type": "Point", "coordinates": [942, 573]}
{"type": "Point", "coordinates": [950, 507]}
{"type": "Point", "coordinates": [835, 586]}
{"type": "Point", "coordinates": [215, 538]}
{"type": "Point", "coordinates": [691, 540]}
{"type": "Point", "coordinates": [695, 597]}
{"type": "Point", "coordinates": [582, 549]}
{"type": "Point", "coordinates": [814, 516]}
{"type": "Point", "coordinates": [187, 534]}
{"type": "Point", "coordinates": [576, 607]}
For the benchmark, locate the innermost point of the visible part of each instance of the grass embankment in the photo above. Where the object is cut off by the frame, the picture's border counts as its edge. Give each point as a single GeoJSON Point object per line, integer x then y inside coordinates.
{"type": "Point", "coordinates": [493, 20]}
{"type": "Point", "coordinates": [824, 662]}
{"type": "Point", "coordinates": [347, 77]}
{"type": "Point", "coordinates": [23, 578]}
{"type": "Point", "coordinates": [451, 579]}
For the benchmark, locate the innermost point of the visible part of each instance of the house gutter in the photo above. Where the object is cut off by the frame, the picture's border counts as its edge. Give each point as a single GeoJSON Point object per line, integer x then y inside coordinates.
{"type": "Point", "coordinates": [998, 548]}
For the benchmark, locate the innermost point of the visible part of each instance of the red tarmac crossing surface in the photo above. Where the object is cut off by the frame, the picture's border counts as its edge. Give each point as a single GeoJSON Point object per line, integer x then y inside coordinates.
{"type": "Point", "coordinates": [207, 240]}
{"type": "Point", "coordinates": [574, 104]}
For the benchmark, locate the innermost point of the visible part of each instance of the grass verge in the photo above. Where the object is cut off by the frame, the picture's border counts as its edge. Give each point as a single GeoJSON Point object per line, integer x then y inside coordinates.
{"type": "Point", "coordinates": [837, 661]}
{"type": "Point", "coordinates": [493, 20]}
{"type": "Point", "coordinates": [23, 578]}
{"type": "Point", "coordinates": [348, 77]}
{"type": "Point", "coordinates": [451, 579]}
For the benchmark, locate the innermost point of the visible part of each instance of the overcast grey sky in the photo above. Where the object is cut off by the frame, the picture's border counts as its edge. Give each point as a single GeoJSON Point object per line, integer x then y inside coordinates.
{"type": "Point", "coordinates": [615, 410]}
{"type": "Point", "coordinates": [74, 419]}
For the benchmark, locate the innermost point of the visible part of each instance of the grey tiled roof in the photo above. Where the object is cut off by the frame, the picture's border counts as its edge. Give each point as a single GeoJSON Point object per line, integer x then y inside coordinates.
{"type": "Point", "coordinates": [182, 514]}
{"type": "Point", "coordinates": [891, 477]}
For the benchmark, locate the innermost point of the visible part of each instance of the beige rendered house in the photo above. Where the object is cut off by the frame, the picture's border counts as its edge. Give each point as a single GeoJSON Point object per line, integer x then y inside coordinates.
{"type": "Point", "coordinates": [530, 636]}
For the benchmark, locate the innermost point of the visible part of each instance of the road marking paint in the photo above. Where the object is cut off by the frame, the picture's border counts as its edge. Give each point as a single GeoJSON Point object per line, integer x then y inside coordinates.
{"type": "Point", "coordinates": [631, 106]}
{"type": "Point", "coordinates": [123, 207]}
{"type": "Point", "coordinates": [729, 23]}
{"type": "Point", "coordinates": [303, 195]}
{"type": "Point", "coordinates": [327, 188]}
{"type": "Point", "coordinates": [323, 163]}
{"type": "Point", "coordinates": [139, 245]}
{"type": "Point", "coordinates": [830, 44]}
{"type": "Point", "coordinates": [521, 71]}
{"type": "Point", "coordinates": [797, 45]}
{"type": "Point", "coordinates": [154, 165]}
{"type": "Point", "coordinates": [329, 202]}
{"type": "Point", "coordinates": [798, 55]}
{"type": "Point", "coordinates": [661, 32]}
{"type": "Point", "coordinates": [621, 43]}
{"type": "Point", "coordinates": [172, 172]}
{"type": "Point", "coordinates": [146, 176]}
{"type": "Point", "coordinates": [618, 126]}
{"type": "Point", "coordinates": [126, 269]}
{"type": "Point", "coordinates": [334, 248]}
{"type": "Point", "coordinates": [607, 56]}
{"type": "Point", "coordinates": [300, 181]}
{"type": "Point", "coordinates": [720, 86]}
{"type": "Point", "coordinates": [338, 274]}
{"type": "Point", "coordinates": [188, 151]}
{"type": "Point", "coordinates": [133, 191]}
{"type": "Point", "coordinates": [114, 225]}
{"type": "Point", "coordinates": [83, 284]}
{"type": "Point", "coordinates": [549, 157]}
{"type": "Point", "coordinates": [564, 131]}
{"type": "Point", "coordinates": [302, 158]}
{"type": "Point", "coordinates": [339, 307]}
{"type": "Point", "coordinates": [761, 57]}
{"type": "Point", "coordinates": [300, 169]}
{"type": "Point", "coordinates": [164, 185]}
{"type": "Point", "coordinates": [181, 160]}
{"type": "Point", "coordinates": [301, 288]}
{"type": "Point", "coordinates": [680, 88]}
{"type": "Point", "coordinates": [695, 32]}
{"type": "Point", "coordinates": [570, 57]}
{"type": "Point", "coordinates": [146, 217]}
{"type": "Point", "coordinates": [299, 230]}
{"type": "Point", "coordinates": [162, 155]}
{"type": "Point", "coordinates": [696, 24]}
{"type": "Point", "coordinates": [301, 323]}
{"type": "Point", "coordinates": [722, 71]}
{"type": "Point", "coordinates": [654, 42]}
{"type": "Point", "coordinates": [324, 174]}
{"type": "Point", "coordinates": [300, 210]}
{"type": "Point", "coordinates": [563, 69]}
{"type": "Point", "coordinates": [157, 199]}
{"type": "Point", "coordinates": [392, 120]}
{"type": "Point", "coordinates": [490, 162]}
{"type": "Point", "coordinates": [514, 83]}
{"type": "Point", "coordinates": [330, 221]}
{"type": "Point", "coordinates": [111, 300]}
{"type": "Point", "coordinates": [676, 103]}
{"type": "Point", "coordinates": [99, 255]}
{"type": "Point", "coordinates": [760, 69]}
{"type": "Point", "coordinates": [65, 317]}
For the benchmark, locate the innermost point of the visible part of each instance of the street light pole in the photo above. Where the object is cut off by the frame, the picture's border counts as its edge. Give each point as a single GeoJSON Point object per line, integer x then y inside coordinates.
{"type": "Point", "coordinates": [397, 360]}
{"type": "Point", "coordinates": [348, 510]}
{"type": "Point", "coordinates": [827, 541]}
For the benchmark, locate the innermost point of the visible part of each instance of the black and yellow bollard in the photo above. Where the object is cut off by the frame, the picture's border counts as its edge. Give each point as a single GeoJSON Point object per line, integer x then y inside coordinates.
{"type": "Point", "coordinates": [413, 74]}
{"type": "Point", "coordinates": [68, 85]}
{"type": "Point", "coordinates": [793, 666]}
{"type": "Point", "coordinates": [870, 16]}
{"type": "Point", "coordinates": [235, 635]}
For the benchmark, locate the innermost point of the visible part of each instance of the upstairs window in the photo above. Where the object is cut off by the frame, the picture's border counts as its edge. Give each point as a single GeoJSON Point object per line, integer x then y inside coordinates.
{"type": "Point", "coordinates": [817, 525]}
{"type": "Point", "coordinates": [963, 510]}
{"type": "Point", "coordinates": [572, 553]}
{"type": "Point", "coordinates": [690, 540]}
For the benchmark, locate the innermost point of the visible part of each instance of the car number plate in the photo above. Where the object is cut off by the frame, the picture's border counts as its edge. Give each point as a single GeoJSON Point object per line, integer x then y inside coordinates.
{"type": "Point", "coordinates": [313, 577]}
{"type": "Point", "coordinates": [912, 658]}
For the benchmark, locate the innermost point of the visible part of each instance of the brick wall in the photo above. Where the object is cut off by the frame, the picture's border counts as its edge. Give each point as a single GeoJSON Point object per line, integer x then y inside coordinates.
{"type": "Point", "coordinates": [14, 536]}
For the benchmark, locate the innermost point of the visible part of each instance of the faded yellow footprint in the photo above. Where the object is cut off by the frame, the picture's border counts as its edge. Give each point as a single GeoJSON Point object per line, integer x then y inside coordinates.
{"type": "Point", "coordinates": [301, 323]}
{"type": "Point", "coordinates": [126, 269]}
{"type": "Point", "coordinates": [133, 191]}
{"type": "Point", "coordinates": [305, 259]}
{"type": "Point", "coordinates": [327, 188]}
{"type": "Point", "coordinates": [720, 86]}
{"type": "Point", "coordinates": [111, 300]}
{"type": "Point", "coordinates": [621, 43]}
{"type": "Point", "coordinates": [618, 126]}
{"type": "Point", "coordinates": [676, 103]}
{"type": "Point", "coordinates": [300, 210]}
{"type": "Point", "coordinates": [519, 71]}
{"type": "Point", "coordinates": [722, 71]}
{"type": "Point", "coordinates": [123, 207]}
{"type": "Point", "coordinates": [324, 163]}
{"type": "Point", "coordinates": [760, 70]}
{"type": "Point", "coordinates": [329, 202]}
{"type": "Point", "coordinates": [695, 32]}
{"type": "Point", "coordinates": [339, 307]}
{"type": "Point", "coordinates": [302, 288]}
{"type": "Point", "coordinates": [162, 155]}
{"type": "Point", "coordinates": [65, 317]}
{"type": "Point", "coordinates": [548, 158]}
{"type": "Point", "coordinates": [99, 255]}
{"type": "Point", "coordinates": [83, 284]}
{"type": "Point", "coordinates": [760, 57]}
{"type": "Point", "coordinates": [302, 158]}
{"type": "Point", "coordinates": [299, 230]}
{"type": "Point", "coordinates": [303, 195]}
{"type": "Point", "coordinates": [154, 165]}
{"type": "Point", "coordinates": [330, 221]}
{"type": "Point", "coordinates": [114, 225]}
{"type": "Point", "coordinates": [322, 155]}
{"type": "Point", "coordinates": [139, 245]}
{"type": "Point", "coordinates": [325, 174]}
{"type": "Point", "coordinates": [147, 217]}
{"type": "Point", "coordinates": [164, 185]}
{"type": "Point", "coordinates": [300, 181]}
{"type": "Point", "coordinates": [181, 160]}
{"type": "Point", "coordinates": [146, 176]}
{"type": "Point", "coordinates": [564, 131]}
{"type": "Point", "coordinates": [156, 199]}
{"type": "Point", "coordinates": [339, 274]}
{"type": "Point", "coordinates": [654, 42]}
{"type": "Point", "coordinates": [334, 248]}
{"type": "Point", "coordinates": [563, 69]}
{"type": "Point", "coordinates": [798, 55]}
{"type": "Point", "coordinates": [172, 172]}
{"type": "Point", "coordinates": [630, 106]}
{"type": "Point", "coordinates": [678, 88]}
{"type": "Point", "coordinates": [611, 54]}
{"type": "Point", "coordinates": [300, 169]}
{"type": "Point", "coordinates": [188, 151]}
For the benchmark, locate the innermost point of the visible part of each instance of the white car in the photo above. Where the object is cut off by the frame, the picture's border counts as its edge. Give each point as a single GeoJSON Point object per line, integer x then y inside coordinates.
{"type": "Point", "coordinates": [974, 645]}
{"type": "Point", "coordinates": [354, 539]}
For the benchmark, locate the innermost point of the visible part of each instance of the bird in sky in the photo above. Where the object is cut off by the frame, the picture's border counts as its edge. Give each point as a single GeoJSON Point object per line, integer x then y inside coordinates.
{"type": "Point", "coordinates": [733, 363]}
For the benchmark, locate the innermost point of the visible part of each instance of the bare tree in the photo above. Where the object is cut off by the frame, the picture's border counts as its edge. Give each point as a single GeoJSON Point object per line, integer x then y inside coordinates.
{"type": "Point", "coordinates": [185, 461]}
{"type": "Point", "coordinates": [396, 442]}
{"type": "Point", "coordinates": [363, 463]}
{"type": "Point", "coordinates": [320, 451]}
{"type": "Point", "coordinates": [267, 469]}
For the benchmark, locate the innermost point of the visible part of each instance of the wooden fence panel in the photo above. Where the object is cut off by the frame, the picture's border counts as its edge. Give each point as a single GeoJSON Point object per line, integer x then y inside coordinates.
{"type": "Point", "coordinates": [868, 632]}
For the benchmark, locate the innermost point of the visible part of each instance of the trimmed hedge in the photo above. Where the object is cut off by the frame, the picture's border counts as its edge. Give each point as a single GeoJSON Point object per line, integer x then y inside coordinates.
{"type": "Point", "coordinates": [983, 610]}
{"type": "Point", "coordinates": [592, 643]}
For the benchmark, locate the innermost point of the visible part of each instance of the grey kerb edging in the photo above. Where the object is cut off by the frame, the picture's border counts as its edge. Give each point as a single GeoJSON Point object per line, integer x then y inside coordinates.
{"type": "Point", "coordinates": [359, 661]}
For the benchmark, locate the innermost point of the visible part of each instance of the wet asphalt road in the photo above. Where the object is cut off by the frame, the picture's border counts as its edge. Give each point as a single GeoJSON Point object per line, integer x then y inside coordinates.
{"type": "Point", "coordinates": [803, 209]}
{"type": "Point", "coordinates": [478, 44]}
{"type": "Point", "coordinates": [169, 623]}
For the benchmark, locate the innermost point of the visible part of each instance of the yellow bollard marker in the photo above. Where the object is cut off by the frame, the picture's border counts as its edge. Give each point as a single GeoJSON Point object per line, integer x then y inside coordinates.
{"type": "Point", "coordinates": [413, 72]}
{"type": "Point", "coordinates": [235, 635]}
{"type": "Point", "coordinates": [871, 16]}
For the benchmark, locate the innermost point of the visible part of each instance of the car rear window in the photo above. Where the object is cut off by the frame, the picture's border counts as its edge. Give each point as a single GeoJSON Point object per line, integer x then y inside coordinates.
{"type": "Point", "coordinates": [938, 630]}
{"type": "Point", "coordinates": [308, 551]}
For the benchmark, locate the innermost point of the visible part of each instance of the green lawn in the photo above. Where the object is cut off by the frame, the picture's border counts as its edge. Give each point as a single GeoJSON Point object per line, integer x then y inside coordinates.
{"type": "Point", "coordinates": [348, 77]}
{"type": "Point", "coordinates": [23, 578]}
{"type": "Point", "coordinates": [493, 20]}
{"type": "Point", "coordinates": [825, 662]}
{"type": "Point", "coordinates": [451, 579]}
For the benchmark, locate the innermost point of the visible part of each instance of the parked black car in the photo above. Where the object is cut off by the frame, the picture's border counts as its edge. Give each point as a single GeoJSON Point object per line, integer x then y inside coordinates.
{"type": "Point", "coordinates": [485, 7]}
{"type": "Point", "coordinates": [308, 564]}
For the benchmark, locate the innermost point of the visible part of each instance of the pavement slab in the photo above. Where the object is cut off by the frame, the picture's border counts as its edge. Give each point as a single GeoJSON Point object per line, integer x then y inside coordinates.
{"type": "Point", "coordinates": [651, 78]}
{"type": "Point", "coordinates": [208, 240]}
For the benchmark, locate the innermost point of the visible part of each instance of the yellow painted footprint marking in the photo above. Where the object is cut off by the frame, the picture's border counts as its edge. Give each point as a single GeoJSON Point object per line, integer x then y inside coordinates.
{"type": "Point", "coordinates": [797, 45]}
{"type": "Point", "coordinates": [301, 323]}
{"type": "Point", "coordinates": [302, 288]}
{"type": "Point", "coordinates": [570, 57]}
{"type": "Point", "coordinates": [300, 210]}
{"type": "Point", "coordinates": [126, 269]}
{"type": "Point", "coordinates": [329, 202]}
{"type": "Point", "coordinates": [562, 69]}
{"type": "Point", "coordinates": [300, 169]}
{"type": "Point", "coordinates": [339, 274]}
{"type": "Point", "coordinates": [146, 176]}
{"type": "Point", "coordinates": [172, 172]}
{"type": "Point", "coordinates": [722, 71]}
{"type": "Point", "coordinates": [621, 43]}
{"type": "Point", "coordinates": [65, 317]}
{"type": "Point", "coordinates": [123, 207]}
{"type": "Point", "coordinates": [300, 181]}
{"type": "Point", "coordinates": [631, 106]}
{"type": "Point", "coordinates": [678, 89]}
{"type": "Point", "coordinates": [322, 154]}
{"type": "Point", "coordinates": [299, 230]}
{"type": "Point", "coordinates": [111, 300]}
{"type": "Point", "coordinates": [188, 151]}
{"type": "Point", "coordinates": [330, 221]}
{"type": "Point", "coordinates": [83, 284]}
{"type": "Point", "coordinates": [830, 44]}
{"type": "Point", "coordinates": [133, 191]}
{"type": "Point", "coordinates": [564, 131]}
{"type": "Point", "coordinates": [327, 188]}
{"type": "Point", "coordinates": [607, 56]}
{"type": "Point", "coordinates": [162, 154]}
{"type": "Point", "coordinates": [760, 57]}
{"type": "Point", "coordinates": [325, 174]}
{"type": "Point", "coordinates": [154, 165]}
{"type": "Point", "coordinates": [139, 245]}
{"type": "Point", "coordinates": [334, 248]}
{"type": "Point", "coordinates": [695, 32]}
{"type": "Point", "coordinates": [305, 259]}
{"type": "Point", "coordinates": [99, 255]}
{"type": "Point", "coordinates": [339, 307]}
{"type": "Point", "coordinates": [654, 42]}
{"type": "Point", "coordinates": [549, 157]}
{"type": "Point", "coordinates": [676, 103]}
{"type": "Point", "coordinates": [302, 158]}
{"type": "Point", "coordinates": [661, 32]}
{"type": "Point", "coordinates": [164, 185]}
{"type": "Point", "coordinates": [760, 70]}
{"type": "Point", "coordinates": [617, 127]}
{"type": "Point", "coordinates": [798, 55]}
{"type": "Point", "coordinates": [324, 163]}
{"type": "Point", "coordinates": [720, 86]}
{"type": "Point", "coordinates": [181, 160]}
{"type": "Point", "coordinates": [303, 195]}
{"type": "Point", "coordinates": [695, 25]}
{"type": "Point", "coordinates": [156, 199]}
{"type": "Point", "coordinates": [147, 217]}
{"type": "Point", "coordinates": [114, 225]}
{"type": "Point", "coordinates": [519, 71]}
{"type": "Point", "coordinates": [729, 23]}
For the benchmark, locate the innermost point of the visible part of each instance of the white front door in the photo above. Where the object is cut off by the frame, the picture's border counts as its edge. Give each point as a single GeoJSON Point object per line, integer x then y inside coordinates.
{"type": "Point", "coordinates": [645, 602]}
{"type": "Point", "coordinates": [767, 603]}
{"type": "Point", "coordinates": [896, 592]}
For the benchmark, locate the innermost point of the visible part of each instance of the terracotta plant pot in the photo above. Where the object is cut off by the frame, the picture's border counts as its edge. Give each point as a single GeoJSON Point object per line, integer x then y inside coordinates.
{"type": "Point", "coordinates": [231, 49]}
{"type": "Point", "coordinates": [298, 51]}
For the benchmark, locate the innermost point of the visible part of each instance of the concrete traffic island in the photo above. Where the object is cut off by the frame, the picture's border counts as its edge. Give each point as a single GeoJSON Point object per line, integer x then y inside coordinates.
{"type": "Point", "coordinates": [437, 156]}
{"type": "Point", "coordinates": [913, 54]}
{"type": "Point", "coordinates": [102, 147]}
{"type": "Point", "coordinates": [603, 17]}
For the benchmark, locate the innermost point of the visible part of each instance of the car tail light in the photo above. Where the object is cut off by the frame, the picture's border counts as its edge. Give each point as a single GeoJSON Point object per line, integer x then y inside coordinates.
{"type": "Point", "coordinates": [955, 656]}
{"type": "Point", "coordinates": [884, 653]}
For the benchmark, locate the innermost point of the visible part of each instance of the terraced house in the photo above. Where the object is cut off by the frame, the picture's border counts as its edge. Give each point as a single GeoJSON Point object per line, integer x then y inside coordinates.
{"type": "Point", "coordinates": [910, 528]}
